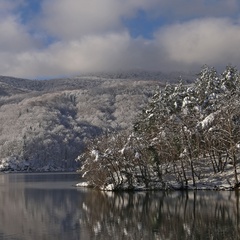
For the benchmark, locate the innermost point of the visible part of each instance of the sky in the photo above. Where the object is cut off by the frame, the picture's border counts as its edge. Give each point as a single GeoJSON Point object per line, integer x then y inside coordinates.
{"type": "Point", "coordinates": [52, 38]}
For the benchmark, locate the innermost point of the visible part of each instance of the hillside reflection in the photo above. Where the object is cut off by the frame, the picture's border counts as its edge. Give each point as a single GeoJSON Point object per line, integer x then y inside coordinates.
{"type": "Point", "coordinates": [31, 209]}
{"type": "Point", "coordinates": [45, 210]}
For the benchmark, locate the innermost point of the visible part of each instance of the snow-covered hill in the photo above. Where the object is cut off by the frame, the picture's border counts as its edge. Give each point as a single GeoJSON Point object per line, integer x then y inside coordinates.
{"type": "Point", "coordinates": [44, 123]}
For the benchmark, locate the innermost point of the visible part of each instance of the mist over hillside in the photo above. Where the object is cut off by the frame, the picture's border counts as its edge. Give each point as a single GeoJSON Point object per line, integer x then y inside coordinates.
{"type": "Point", "coordinates": [44, 123]}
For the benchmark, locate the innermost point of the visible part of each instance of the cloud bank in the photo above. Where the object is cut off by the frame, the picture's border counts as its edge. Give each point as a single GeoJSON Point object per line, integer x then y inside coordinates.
{"type": "Point", "coordinates": [68, 37]}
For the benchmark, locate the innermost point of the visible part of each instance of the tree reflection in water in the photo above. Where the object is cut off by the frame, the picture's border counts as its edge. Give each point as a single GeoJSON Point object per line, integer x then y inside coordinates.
{"type": "Point", "coordinates": [161, 215]}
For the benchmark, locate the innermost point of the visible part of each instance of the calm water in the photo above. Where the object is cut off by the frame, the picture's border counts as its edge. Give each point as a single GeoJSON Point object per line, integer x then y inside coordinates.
{"type": "Point", "coordinates": [47, 206]}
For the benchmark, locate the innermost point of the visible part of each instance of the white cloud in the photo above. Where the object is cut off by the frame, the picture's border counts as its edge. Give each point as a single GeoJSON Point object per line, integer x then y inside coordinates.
{"type": "Point", "coordinates": [7, 6]}
{"type": "Point", "coordinates": [91, 36]}
{"type": "Point", "coordinates": [185, 46]}
{"type": "Point", "coordinates": [185, 9]}
{"type": "Point", "coordinates": [14, 36]}
{"type": "Point", "coordinates": [204, 41]}
{"type": "Point", "coordinates": [72, 19]}
{"type": "Point", "coordinates": [92, 53]}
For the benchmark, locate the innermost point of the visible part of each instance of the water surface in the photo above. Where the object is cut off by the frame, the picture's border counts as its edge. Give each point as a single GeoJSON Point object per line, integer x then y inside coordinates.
{"type": "Point", "coordinates": [48, 206]}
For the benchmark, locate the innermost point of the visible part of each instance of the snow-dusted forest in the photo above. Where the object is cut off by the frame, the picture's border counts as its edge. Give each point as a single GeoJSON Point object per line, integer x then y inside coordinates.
{"type": "Point", "coordinates": [187, 136]}
{"type": "Point", "coordinates": [44, 124]}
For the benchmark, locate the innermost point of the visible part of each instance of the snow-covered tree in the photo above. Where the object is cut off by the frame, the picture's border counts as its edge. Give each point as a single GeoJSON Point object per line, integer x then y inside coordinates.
{"type": "Point", "coordinates": [182, 130]}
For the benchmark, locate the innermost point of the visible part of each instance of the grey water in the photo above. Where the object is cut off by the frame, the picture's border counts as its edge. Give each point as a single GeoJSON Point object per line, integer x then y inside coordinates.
{"type": "Point", "coordinates": [48, 206]}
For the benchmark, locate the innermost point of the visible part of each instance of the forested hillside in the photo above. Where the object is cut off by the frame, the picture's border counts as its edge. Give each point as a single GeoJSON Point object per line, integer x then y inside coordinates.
{"type": "Point", "coordinates": [45, 123]}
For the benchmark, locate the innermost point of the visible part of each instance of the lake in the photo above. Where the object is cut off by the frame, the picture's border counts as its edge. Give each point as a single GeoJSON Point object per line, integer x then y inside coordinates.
{"type": "Point", "coordinates": [39, 206]}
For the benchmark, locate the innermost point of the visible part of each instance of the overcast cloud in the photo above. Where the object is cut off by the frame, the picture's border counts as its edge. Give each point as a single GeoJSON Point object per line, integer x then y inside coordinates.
{"type": "Point", "coordinates": [68, 37]}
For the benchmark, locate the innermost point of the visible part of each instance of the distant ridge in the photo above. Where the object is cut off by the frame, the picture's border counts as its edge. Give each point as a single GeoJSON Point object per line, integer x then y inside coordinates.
{"type": "Point", "coordinates": [82, 81]}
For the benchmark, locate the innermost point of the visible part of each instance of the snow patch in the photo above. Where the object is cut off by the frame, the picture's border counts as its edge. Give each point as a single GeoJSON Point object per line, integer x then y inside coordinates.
{"type": "Point", "coordinates": [207, 121]}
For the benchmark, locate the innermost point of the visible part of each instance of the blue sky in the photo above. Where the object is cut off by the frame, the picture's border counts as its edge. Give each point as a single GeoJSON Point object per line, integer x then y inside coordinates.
{"type": "Point", "coordinates": [50, 38]}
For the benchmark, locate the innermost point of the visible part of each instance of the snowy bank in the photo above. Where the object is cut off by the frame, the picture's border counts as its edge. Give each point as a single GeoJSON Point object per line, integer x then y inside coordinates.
{"type": "Point", "coordinates": [208, 181]}
{"type": "Point", "coordinates": [15, 164]}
